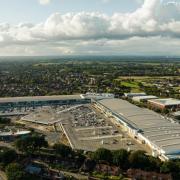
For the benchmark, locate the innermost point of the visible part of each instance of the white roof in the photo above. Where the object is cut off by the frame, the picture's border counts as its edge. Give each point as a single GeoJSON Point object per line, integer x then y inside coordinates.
{"type": "Point", "coordinates": [157, 129]}
{"type": "Point", "coordinates": [38, 98]}
{"type": "Point", "coordinates": [166, 102]}
{"type": "Point", "coordinates": [22, 132]}
{"type": "Point", "coordinates": [10, 133]}
{"type": "Point", "coordinates": [97, 96]}
{"type": "Point", "coordinates": [144, 97]}
{"type": "Point", "coordinates": [135, 94]}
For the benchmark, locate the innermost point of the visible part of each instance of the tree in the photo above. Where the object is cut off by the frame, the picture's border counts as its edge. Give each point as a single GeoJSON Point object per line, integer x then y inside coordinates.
{"type": "Point", "coordinates": [63, 150]}
{"type": "Point", "coordinates": [38, 142]}
{"type": "Point", "coordinates": [22, 144]}
{"type": "Point", "coordinates": [120, 158]}
{"type": "Point", "coordinates": [165, 111]}
{"type": "Point", "coordinates": [79, 155]}
{"type": "Point", "coordinates": [88, 165]}
{"type": "Point", "coordinates": [138, 159]}
{"type": "Point", "coordinates": [102, 154]}
{"type": "Point", "coordinates": [14, 172]}
{"type": "Point", "coordinates": [30, 144]}
{"type": "Point", "coordinates": [4, 120]}
{"type": "Point", "coordinates": [154, 164]}
{"type": "Point", "coordinates": [169, 167]}
{"type": "Point", "coordinates": [7, 156]}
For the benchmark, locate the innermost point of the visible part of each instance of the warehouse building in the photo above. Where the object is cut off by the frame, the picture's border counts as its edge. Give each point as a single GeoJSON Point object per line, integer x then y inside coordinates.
{"type": "Point", "coordinates": [131, 95]}
{"type": "Point", "coordinates": [7, 104]}
{"type": "Point", "coordinates": [168, 103]}
{"type": "Point", "coordinates": [146, 126]}
{"type": "Point", "coordinates": [143, 98]}
{"type": "Point", "coordinates": [97, 96]}
{"type": "Point", "coordinates": [12, 135]}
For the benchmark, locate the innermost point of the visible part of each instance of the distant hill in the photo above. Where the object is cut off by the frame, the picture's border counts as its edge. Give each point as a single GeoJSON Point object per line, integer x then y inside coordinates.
{"type": "Point", "coordinates": [90, 58]}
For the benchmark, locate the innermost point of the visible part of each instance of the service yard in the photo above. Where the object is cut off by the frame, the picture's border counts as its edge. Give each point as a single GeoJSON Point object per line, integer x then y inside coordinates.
{"type": "Point", "coordinates": [85, 128]}
{"type": "Point", "coordinates": [89, 130]}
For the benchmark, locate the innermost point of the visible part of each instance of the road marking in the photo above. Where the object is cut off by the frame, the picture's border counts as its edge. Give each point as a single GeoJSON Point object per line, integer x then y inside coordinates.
{"type": "Point", "coordinates": [101, 137]}
{"type": "Point", "coordinates": [89, 128]}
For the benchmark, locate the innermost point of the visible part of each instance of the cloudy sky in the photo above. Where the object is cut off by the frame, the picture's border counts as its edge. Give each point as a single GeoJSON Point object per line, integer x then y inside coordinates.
{"type": "Point", "coordinates": [90, 27]}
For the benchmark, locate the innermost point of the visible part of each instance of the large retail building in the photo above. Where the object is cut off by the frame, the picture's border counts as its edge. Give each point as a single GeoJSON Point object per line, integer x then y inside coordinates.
{"type": "Point", "coordinates": [146, 126]}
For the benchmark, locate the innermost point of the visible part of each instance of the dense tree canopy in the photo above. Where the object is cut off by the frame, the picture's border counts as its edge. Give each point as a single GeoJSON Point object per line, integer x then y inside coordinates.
{"type": "Point", "coordinates": [14, 172]}
{"type": "Point", "coordinates": [102, 154]}
{"type": "Point", "coordinates": [7, 156]}
{"type": "Point", "coordinates": [170, 166]}
{"type": "Point", "coordinates": [30, 144]}
{"type": "Point", "coordinates": [120, 158]}
{"type": "Point", "coordinates": [138, 159]}
{"type": "Point", "coordinates": [63, 150]}
{"type": "Point", "coordinates": [4, 120]}
{"type": "Point", "coordinates": [69, 76]}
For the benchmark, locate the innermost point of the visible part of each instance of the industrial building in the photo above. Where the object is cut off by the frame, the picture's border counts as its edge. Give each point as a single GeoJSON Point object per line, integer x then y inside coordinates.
{"type": "Point", "coordinates": [146, 126]}
{"type": "Point", "coordinates": [168, 103]}
{"type": "Point", "coordinates": [143, 98]}
{"type": "Point", "coordinates": [11, 135]}
{"type": "Point", "coordinates": [7, 104]}
{"type": "Point", "coordinates": [131, 95]}
{"type": "Point", "coordinates": [97, 96]}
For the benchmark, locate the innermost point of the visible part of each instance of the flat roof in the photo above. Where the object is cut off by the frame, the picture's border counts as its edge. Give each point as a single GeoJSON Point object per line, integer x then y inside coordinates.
{"type": "Point", "coordinates": [145, 97]}
{"type": "Point", "coordinates": [14, 133]}
{"type": "Point", "coordinates": [135, 94]}
{"type": "Point", "coordinates": [156, 128]}
{"type": "Point", "coordinates": [165, 102]}
{"type": "Point", "coordinates": [97, 96]}
{"type": "Point", "coordinates": [38, 98]}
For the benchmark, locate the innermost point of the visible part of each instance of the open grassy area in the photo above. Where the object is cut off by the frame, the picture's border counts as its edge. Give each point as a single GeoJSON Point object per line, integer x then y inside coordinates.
{"type": "Point", "coordinates": [177, 88]}
{"type": "Point", "coordinates": [130, 84]}
{"type": "Point", "coordinates": [146, 77]}
{"type": "Point", "coordinates": [101, 176]}
{"type": "Point", "coordinates": [134, 83]}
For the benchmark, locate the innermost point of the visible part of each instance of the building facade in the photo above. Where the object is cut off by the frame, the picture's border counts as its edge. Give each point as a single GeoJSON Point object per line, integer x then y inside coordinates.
{"type": "Point", "coordinates": [8, 104]}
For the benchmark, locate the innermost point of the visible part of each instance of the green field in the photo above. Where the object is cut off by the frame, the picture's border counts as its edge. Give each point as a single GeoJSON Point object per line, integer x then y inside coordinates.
{"type": "Point", "coordinates": [130, 84]}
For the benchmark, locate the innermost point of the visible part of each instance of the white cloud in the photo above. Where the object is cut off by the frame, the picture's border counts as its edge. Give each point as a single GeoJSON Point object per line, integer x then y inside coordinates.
{"type": "Point", "coordinates": [44, 2]}
{"type": "Point", "coordinates": [139, 1]}
{"type": "Point", "coordinates": [106, 1]}
{"type": "Point", "coordinates": [96, 31]}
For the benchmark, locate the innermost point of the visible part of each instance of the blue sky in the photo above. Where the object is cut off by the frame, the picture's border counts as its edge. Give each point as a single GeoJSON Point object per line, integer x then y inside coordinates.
{"type": "Point", "coordinates": [89, 27]}
{"type": "Point", "coordinates": [15, 11]}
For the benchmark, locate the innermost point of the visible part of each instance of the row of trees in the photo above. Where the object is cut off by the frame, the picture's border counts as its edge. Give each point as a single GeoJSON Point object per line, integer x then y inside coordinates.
{"type": "Point", "coordinates": [135, 159]}
{"type": "Point", "coordinates": [121, 158]}
{"type": "Point", "coordinates": [125, 159]}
